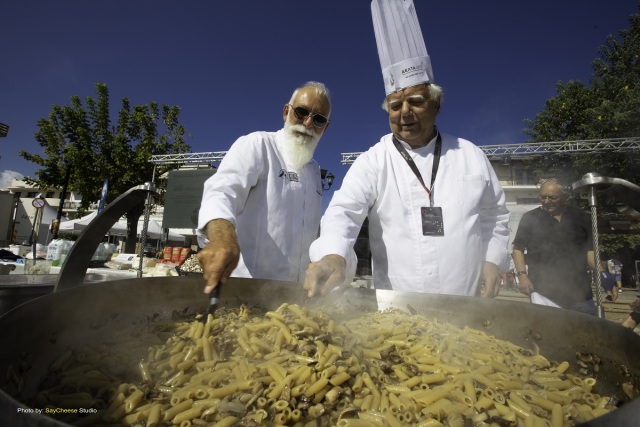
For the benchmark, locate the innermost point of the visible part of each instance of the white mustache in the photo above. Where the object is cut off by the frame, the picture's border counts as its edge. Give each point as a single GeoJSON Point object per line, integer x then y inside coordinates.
{"type": "Point", "coordinates": [301, 129]}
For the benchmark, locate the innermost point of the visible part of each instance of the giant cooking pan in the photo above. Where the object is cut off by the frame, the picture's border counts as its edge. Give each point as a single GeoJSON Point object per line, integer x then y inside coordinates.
{"type": "Point", "coordinates": [36, 333]}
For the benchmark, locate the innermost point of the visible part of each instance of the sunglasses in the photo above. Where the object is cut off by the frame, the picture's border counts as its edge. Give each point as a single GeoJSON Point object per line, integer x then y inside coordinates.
{"type": "Point", "coordinates": [302, 113]}
{"type": "Point", "coordinates": [551, 198]}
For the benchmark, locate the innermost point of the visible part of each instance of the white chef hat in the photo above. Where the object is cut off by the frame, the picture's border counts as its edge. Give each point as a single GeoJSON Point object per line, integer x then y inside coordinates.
{"type": "Point", "coordinates": [403, 54]}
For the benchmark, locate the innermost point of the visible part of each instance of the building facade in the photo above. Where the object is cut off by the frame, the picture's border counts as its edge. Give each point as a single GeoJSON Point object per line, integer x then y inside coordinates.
{"type": "Point", "coordinates": [32, 211]}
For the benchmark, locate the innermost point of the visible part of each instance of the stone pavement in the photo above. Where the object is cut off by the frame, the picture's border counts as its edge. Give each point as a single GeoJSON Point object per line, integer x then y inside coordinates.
{"type": "Point", "coordinates": [614, 311]}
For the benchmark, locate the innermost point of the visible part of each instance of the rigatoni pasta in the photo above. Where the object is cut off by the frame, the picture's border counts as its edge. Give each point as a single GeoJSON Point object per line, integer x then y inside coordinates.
{"type": "Point", "coordinates": [293, 366]}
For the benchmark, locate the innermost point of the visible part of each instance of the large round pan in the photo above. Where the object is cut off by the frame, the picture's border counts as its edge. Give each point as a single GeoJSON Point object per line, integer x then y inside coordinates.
{"type": "Point", "coordinates": [36, 333]}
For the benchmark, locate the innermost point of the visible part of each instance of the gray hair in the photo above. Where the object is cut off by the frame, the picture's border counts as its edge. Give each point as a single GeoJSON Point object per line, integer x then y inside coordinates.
{"type": "Point", "coordinates": [435, 94]}
{"type": "Point", "coordinates": [549, 181]}
{"type": "Point", "coordinates": [320, 88]}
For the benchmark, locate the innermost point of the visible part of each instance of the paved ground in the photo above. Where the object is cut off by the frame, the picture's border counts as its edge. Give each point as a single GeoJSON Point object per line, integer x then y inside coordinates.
{"type": "Point", "coordinates": [614, 311]}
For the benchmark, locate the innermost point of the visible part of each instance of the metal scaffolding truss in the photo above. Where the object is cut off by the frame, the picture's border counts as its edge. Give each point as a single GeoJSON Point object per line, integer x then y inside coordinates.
{"type": "Point", "coordinates": [492, 151]}
{"type": "Point", "coordinates": [540, 148]}
{"type": "Point", "coordinates": [188, 158]}
{"type": "Point", "coordinates": [515, 150]}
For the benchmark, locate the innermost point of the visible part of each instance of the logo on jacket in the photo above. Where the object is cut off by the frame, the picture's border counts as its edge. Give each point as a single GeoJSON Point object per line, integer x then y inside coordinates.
{"type": "Point", "coordinates": [291, 176]}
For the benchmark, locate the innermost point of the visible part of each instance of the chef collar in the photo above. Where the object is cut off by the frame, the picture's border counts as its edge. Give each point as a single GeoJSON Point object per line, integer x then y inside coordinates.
{"type": "Point", "coordinates": [409, 147]}
{"type": "Point", "coordinates": [434, 169]}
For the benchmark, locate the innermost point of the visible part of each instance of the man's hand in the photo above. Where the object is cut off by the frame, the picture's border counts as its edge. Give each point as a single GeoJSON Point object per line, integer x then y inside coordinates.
{"type": "Point", "coordinates": [524, 284]}
{"type": "Point", "coordinates": [220, 257]}
{"type": "Point", "coordinates": [322, 276]}
{"type": "Point", "coordinates": [491, 279]}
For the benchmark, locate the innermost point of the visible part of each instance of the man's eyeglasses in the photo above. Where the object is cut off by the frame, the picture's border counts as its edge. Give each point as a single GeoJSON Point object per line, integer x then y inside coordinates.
{"type": "Point", "coordinates": [551, 198]}
{"type": "Point", "coordinates": [302, 113]}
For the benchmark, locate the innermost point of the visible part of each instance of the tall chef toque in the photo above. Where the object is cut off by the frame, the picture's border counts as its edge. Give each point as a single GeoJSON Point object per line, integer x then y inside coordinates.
{"type": "Point", "coordinates": [401, 49]}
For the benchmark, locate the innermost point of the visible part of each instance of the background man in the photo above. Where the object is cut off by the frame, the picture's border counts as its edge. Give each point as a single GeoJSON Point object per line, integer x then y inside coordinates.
{"type": "Point", "coordinates": [607, 279]}
{"type": "Point", "coordinates": [557, 239]}
{"type": "Point", "coordinates": [261, 210]}
{"type": "Point", "coordinates": [615, 268]}
{"type": "Point", "coordinates": [437, 215]}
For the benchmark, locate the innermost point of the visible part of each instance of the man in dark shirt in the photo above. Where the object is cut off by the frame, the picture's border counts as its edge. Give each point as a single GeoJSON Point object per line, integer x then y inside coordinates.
{"type": "Point", "coordinates": [558, 242]}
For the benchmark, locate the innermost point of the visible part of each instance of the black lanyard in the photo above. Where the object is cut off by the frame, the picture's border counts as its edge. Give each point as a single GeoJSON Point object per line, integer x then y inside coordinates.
{"type": "Point", "coordinates": [414, 168]}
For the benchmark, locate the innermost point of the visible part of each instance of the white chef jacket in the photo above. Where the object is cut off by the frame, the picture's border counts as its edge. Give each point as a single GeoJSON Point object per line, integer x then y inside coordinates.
{"type": "Point", "coordinates": [275, 209]}
{"type": "Point", "coordinates": [381, 185]}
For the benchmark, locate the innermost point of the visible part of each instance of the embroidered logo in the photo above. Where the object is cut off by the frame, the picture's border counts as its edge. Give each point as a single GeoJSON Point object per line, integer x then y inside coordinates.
{"type": "Point", "coordinates": [291, 176]}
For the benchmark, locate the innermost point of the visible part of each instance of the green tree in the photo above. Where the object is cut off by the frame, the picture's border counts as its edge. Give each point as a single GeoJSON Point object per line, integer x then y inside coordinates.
{"type": "Point", "coordinates": [608, 108]}
{"type": "Point", "coordinates": [84, 138]}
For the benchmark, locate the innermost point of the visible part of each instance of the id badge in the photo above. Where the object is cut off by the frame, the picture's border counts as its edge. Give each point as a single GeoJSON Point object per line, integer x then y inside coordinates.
{"type": "Point", "coordinates": [432, 224]}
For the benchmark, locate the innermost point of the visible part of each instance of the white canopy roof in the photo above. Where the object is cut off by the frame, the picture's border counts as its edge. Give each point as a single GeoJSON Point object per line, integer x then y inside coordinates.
{"type": "Point", "coordinates": [76, 226]}
{"type": "Point", "coordinates": [154, 231]}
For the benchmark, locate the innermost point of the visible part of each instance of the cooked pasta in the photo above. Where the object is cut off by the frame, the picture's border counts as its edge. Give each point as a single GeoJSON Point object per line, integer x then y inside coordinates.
{"type": "Point", "coordinates": [293, 366]}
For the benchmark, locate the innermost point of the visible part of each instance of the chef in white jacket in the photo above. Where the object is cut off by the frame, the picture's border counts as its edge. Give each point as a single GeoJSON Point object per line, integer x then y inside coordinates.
{"type": "Point", "coordinates": [437, 214]}
{"type": "Point", "coordinates": [261, 210]}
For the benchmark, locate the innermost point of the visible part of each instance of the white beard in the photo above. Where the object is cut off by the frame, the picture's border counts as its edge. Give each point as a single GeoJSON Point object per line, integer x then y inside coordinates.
{"type": "Point", "coordinates": [299, 145]}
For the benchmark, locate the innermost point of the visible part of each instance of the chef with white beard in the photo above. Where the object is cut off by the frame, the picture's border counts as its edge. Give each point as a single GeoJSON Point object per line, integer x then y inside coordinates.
{"type": "Point", "coordinates": [261, 210]}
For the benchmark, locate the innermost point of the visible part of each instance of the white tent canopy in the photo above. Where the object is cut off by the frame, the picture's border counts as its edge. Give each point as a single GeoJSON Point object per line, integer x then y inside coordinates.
{"type": "Point", "coordinates": [154, 231]}
{"type": "Point", "coordinates": [76, 226]}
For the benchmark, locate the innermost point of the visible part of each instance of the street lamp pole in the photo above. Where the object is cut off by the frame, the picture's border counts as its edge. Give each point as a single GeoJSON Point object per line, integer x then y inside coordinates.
{"type": "Point", "coordinates": [328, 177]}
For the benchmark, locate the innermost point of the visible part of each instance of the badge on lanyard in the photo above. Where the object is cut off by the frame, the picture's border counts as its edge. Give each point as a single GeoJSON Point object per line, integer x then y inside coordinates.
{"type": "Point", "coordinates": [432, 224]}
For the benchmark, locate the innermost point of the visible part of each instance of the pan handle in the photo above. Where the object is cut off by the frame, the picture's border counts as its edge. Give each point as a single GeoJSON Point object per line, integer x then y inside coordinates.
{"type": "Point", "coordinates": [75, 267]}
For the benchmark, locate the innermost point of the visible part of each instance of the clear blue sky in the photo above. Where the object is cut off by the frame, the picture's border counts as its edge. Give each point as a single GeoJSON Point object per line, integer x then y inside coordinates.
{"type": "Point", "coordinates": [232, 65]}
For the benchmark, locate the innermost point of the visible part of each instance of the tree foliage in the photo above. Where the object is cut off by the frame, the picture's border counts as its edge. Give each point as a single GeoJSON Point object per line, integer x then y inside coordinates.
{"type": "Point", "coordinates": [84, 138]}
{"type": "Point", "coordinates": [609, 107]}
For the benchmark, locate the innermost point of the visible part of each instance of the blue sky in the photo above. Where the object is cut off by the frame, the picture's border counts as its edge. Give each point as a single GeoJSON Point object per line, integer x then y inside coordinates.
{"type": "Point", "coordinates": [232, 65]}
